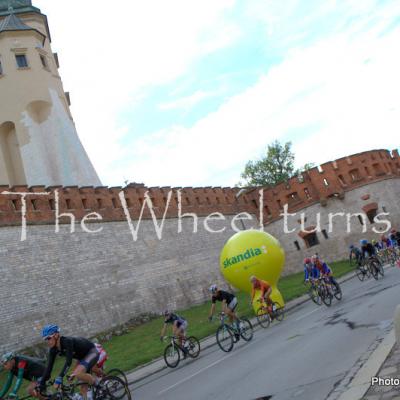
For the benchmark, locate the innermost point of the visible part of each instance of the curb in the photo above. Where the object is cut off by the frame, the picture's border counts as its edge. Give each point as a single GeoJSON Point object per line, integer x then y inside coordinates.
{"type": "Point", "coordinates": [362, 380]}
{"type": "Point", "coordinates": [140, 373]}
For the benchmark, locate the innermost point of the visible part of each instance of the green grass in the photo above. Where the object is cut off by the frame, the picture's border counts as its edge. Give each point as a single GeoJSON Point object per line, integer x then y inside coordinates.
{"type": "Point", "coordinates": [141, 344]}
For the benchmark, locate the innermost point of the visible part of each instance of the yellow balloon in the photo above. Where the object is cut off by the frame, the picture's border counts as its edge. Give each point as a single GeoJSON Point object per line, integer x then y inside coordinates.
{"type": "Point", "coordinates": [257, 253]}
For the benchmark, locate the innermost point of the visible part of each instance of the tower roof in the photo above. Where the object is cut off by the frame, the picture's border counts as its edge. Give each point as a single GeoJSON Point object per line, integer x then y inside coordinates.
{"type": "Point", "coordinates": [12, 24]}
{"type": "Point", "coordinates": [17, 5]}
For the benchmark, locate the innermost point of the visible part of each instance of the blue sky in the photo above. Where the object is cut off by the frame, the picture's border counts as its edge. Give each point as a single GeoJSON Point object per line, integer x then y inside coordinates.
{"type": "Point", "coordinates": [184, 93]}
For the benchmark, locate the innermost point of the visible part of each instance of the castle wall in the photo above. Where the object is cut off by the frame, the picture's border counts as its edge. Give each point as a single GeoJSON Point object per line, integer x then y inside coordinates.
{"type": "Point", "coordinates": [336, 247]}
{"type": "Point", "coordinates": [88, 283]}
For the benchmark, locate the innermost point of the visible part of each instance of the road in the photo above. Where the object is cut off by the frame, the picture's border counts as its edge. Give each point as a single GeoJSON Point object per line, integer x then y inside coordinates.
{"type": "Point", "coordinates": [303, 358]}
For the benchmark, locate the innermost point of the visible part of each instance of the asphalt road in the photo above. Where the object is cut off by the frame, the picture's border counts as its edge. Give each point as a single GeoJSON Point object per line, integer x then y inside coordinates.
{"type": "Point", "coordinates": [304, 357]}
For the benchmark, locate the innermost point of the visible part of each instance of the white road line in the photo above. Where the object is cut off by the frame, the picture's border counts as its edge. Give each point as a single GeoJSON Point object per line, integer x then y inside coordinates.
{"type": "Point", "coordinates": [306, 315]}
{"type": "Point", "coordinates": [196, 373]}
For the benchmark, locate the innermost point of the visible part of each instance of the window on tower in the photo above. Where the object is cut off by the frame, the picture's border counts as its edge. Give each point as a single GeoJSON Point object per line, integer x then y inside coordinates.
{"type": "Point", "coordinates": [22, 61]}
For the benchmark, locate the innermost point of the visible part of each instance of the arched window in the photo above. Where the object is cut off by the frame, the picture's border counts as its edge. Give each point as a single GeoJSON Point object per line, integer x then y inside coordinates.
{"type": "Point", "coordinates": [11, 167]}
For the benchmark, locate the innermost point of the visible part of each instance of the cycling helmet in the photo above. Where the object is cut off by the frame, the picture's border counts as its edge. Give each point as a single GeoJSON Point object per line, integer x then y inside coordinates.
{"type": "Point", "coordinates": [7, 357]}
{"type": "Point", "coordinates": [315, 257]}
{"type": "Point", "coordinates": [307, 260]}
{"type": "Point", "coordinates": [363, 242]}
{"type": "Point", "coordinates": [50, 330]}
{"type": "Point", "coordinates": [252, 278]}
{"type": "Point", "coordinates": [213, 288]}
{"type": "Point", "coordinates": [166, 313]}
{"type": "Point", "coordinates": [373, 242]}
{"type": "Point", "coordinates": [351, 247]}
{"type": "Point", "coordinates": [383, 237]}
{"type": "Point", "coordinates": [393, 231]}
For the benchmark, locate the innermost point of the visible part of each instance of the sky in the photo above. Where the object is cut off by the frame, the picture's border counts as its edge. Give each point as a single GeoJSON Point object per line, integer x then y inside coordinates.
{"type": "Point", "coordinates": [186, 92]}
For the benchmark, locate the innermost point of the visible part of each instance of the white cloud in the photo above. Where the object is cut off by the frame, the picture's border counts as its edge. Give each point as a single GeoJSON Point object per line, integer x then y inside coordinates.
{"type": "Point", "coordinates": [109, 51]}
{"type": "Point", "coordinates": [351, 89]}
{"type": "Point", "coordinates": [347, 83]}
{"type": "Point", "coordinates": [189, 101]}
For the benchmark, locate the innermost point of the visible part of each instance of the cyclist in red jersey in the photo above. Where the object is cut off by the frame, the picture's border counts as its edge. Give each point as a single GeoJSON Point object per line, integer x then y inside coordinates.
{"type": "Point", "coordinates": [264, 287]}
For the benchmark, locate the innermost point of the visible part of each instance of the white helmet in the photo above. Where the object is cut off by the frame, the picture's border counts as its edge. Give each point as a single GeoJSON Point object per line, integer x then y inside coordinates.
{"type": "Point", "coordinates": [213, 288]}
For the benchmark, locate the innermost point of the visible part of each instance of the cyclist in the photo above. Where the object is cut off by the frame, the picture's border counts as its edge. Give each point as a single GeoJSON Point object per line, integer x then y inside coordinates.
{"type": "Point", "coordinates": [376, 244]}
{"type": "Point", "coordinates": [264, 287]}
{"type": "Point", "coordinates": [71, 348]}
{"type": "Point", "coordinates": [355, 253]}
{"type": "Point", "coordinates": [394, 237]}
{"type": "Point", "coordinates": [23, 367]}
{"type": "Point", "coordinates": [229, 304]}
{"type": "Point", "coordinates": [324, 270]}
{"type": "Point", "coordinates": [98, 369]}
{"type": "Point", "coordinates": [386, 242]}
{"type": "Point", "coordinates": [179, 326]}
{"type": "Point", "coordinates": [367, 249]}
{"type": "Point", "coordinates": [310, 270]}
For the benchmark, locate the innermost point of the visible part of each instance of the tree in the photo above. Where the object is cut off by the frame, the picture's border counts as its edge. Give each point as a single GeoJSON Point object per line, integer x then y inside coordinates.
{"type": "Point", "coordinates": [277, 166]}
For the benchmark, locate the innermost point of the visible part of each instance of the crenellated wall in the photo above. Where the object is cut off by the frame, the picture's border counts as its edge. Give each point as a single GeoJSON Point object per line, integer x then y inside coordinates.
{"type": "Point", "coordinates": [317, 185]}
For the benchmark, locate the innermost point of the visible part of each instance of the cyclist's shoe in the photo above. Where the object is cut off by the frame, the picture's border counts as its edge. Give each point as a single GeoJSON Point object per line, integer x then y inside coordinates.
{"type": "Point", "coordinates": [237, 337]}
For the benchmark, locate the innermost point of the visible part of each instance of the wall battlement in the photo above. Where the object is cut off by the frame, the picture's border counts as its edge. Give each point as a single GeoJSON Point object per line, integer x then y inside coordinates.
{"type": "Point", "coordinates": [331, 179]}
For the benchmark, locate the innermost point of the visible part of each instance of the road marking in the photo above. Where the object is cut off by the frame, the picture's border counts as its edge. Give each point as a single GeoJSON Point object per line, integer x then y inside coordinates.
{"type": "Point", "coordinates": [196, 373]}
{"type": "Point", "coordinates": [306, 315]}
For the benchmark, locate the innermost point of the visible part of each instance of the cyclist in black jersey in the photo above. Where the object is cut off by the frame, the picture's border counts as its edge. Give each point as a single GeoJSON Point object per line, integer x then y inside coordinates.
{"type": "Point", "coordinates": [179, 326]}
{"type": "Point", "coordinates": [23, 367]}
{"type": "Point", "coordinates": [229, 304]}
{"type": "Point", "coordinates": [71, 348]}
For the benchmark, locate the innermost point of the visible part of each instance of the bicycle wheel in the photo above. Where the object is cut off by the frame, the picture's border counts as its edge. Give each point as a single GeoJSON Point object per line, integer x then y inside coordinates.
{"type": "Point", "coordinates": [361, 273]}
{"type": "Point", "coordinates": [112, 388]}
{"type": "Point", "coordinates": [326, 297]}
{"type": "Point", "coordinates": [246, 329]}
{"type": "Point", "coordinates": [373, 268]}
{"type": "Point", "coordinates": [225, 338]}
{"type": "Point", "coordinates": [381, 271]}
{"type": "Point", "coordinates": [314, 296]}
{"type": "Point", "coordinates": [337, 291]}
{"type": "Point", "coordinates": [193, 346]}
{"type": "Point", "coordinates": [263, 317]}
{"type": "Point", "coordinates": [279, 312]}
{"type": "Point", "coordinates": [117, 372]}
{"type": "Point", "coordinates": [171, 355]}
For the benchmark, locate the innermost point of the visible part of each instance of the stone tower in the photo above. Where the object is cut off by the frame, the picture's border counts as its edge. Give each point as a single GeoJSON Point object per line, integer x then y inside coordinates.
{"type": "Point", "coordinates": [39, 144]}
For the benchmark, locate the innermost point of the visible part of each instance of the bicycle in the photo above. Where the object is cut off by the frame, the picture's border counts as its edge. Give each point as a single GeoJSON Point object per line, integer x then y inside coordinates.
{"type": "Point", "coordinates": [375, 267]}
{"type": "Point", "coordinates": [328, 290]}
{"type": "Point", "coordinates": [266, 314]}
{"type": "Point", "coordinates": [109, 388]}
{"type": "Point", "coordinates": [362, 271]}
{"type": "Point", "coordinates": [227, 335]}
{"type": "Point", "coordinates": [172, 353]}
